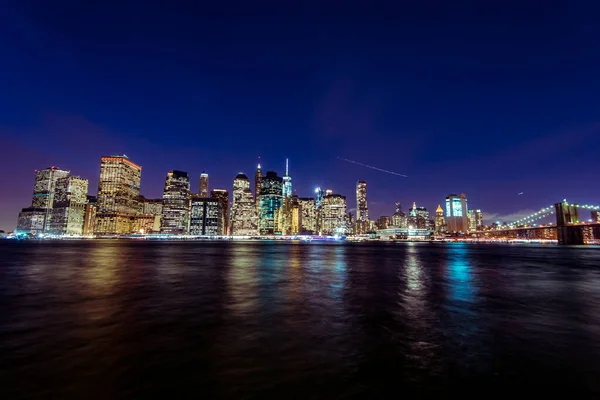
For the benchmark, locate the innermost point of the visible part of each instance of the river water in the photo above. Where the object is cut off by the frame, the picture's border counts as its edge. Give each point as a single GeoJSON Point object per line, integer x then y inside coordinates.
{"type": "Point", "coordinates": [135, 319]}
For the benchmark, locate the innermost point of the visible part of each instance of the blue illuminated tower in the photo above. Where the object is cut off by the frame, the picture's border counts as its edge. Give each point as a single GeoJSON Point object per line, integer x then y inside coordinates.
{"type": "Point", "coordinates": [287, 182]}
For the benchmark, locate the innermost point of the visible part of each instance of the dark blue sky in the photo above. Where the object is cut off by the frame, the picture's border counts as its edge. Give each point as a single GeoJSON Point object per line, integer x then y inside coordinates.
{"type": "Point", "coordinates": [489, 98]}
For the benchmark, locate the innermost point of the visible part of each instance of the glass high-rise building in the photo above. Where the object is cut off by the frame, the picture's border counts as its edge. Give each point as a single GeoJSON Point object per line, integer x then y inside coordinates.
{"type": "Point", "coordinates": [244, 216]}
{"type": "Point", "coordinates": [176, 203]}
{"type": "Point", "coordinates": [118, 195]}
{"type": "Point", "coordinates": [333, 214]}
{"type": "Point", "coordinates": [222, 196]}
{"type": "Point", "coordinates": [287, 181]}
{"type": "Point", "coordinates": [203, 191]}
{"type": "Point", "coordinates": [271, 200]}
{"type": "Point", "coordinates": [362, 209]}
{"type": "Point", "coordinates": [457, 213]}
{"type": "Point", "coordinates": [204, 216]}
{"type": "Point", "coordinates": [68, 211]}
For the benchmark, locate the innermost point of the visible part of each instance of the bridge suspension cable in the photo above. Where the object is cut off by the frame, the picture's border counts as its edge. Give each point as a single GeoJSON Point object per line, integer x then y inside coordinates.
{"type": "Point", "coordinates": [544, 212]}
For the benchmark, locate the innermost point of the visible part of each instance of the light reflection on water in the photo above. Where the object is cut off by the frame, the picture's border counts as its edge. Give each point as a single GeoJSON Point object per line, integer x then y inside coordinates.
{"type": "Point", "coordinates": [113, 319]}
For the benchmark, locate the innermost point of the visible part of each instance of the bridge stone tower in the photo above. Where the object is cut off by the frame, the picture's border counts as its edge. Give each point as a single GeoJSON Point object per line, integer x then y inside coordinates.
{"type": "Point", "coordinates": [566, 215]}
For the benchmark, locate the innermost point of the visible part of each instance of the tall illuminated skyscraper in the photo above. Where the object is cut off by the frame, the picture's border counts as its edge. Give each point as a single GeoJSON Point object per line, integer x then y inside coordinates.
{"type": "Point", "coordinates": [457, 213]}
{"type": "Point", "coordinates": [333, 214]}
{"type": "Point", "coordinates": [176, 203]}
{"type": "Point", "coordinates": [362, 210]}
{"type": "Point", "coordinates": [118, 195]}
{"type": "Point", "coordinates": [271, 200]}
{"type": "Point", "coordinates": [37, 218]}
{"type": "Point", "coordinates": [244, 217]}
{"type": "Point", "coordinates": [257, 183]}
{"type": "Point", "coordinates": [204, 216]}
{"type": "Point", "coordinates": [308, 220]}
{"type": "Point", "coordinates": [319, 193]}
{"type": "Point", "coordinates": [68, 211]}
{"type": "Point", "coordinates": [440, 223]}
{"type": "Point", "coordinates": [203, 192]}
{"type": "Point", "coordinates": [287, 181]}
{"type": "Point", "coordinates": [222, 196]}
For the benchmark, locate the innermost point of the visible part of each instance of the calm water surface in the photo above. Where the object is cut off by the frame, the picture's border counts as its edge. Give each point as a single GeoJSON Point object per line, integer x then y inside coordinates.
{"type": "Point", "coordinates": [118, 319]}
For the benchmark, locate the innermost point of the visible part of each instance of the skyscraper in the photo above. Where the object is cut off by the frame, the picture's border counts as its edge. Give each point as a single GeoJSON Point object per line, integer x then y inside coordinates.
{"type": "Point", "coordinates": [457, 213]}
{"type": "Point", "coordinates": [36, 219]}
{"type": "Point", "coordinates": [478, 220]}
{"type": "Point", "coordinates": [318, 197]}
{"type": "Point", "coordinates": [89, 218]}
{"type": "Point", "coordinates": [68, 211]}
{"type": "Point", "coordinates": [362, 210]}
{"type": "Point", "coordinates": [176, 203]}
{"type": "Point", "coordinates": [296, 216]}
{"type": "Point", "coordinates": [333, 213]}
{"type": "Point", "coordinates": [204, 216]}
{"type": "Point", "coordinates": [271, 200]}
{"type": "Point", "coordinates": [399, 219]}
{"type": "Point", "coordinates": [153, 207]}
{"type": "Point", "coordinates": [222, 196]}
{"type": "Point", "coordinates": [287, 181]}
{"type": "Point", "coordinates": [257, 184]}
{"type": "Point", "coordinates": [203, 192]}
{"type": "Point", "coordinates": [244, 217]}
{"type": "Point", "coordinates": [308, 220]}
{"type": "Point", "coordinates": [439, 219]}
{"type": "Point", "coordinates": [118, 194]}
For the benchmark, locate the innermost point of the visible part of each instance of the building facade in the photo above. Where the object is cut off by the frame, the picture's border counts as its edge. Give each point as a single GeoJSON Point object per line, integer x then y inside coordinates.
{"type": "Point", "coordinates": [118, 195]}
{"type": "Point", "coordinates": [203, 187]}
{"type": "Point", "coordinates": [383, 222]}
{"type": "Point", "coordinates": [222, 196]}
{"type": "Point", "coordinates": [204, 216]}
{"type": "Point", "coordinates": [257, 185]}
{"type": "Point", "coordinates": [68, 211]}
{"type": "Point", "coordinates": [153, 207]}
{"type": "Point", "coordinates": [308, 219]}
{"type": "Point", "coordinates": [399, 219]}
{"type": "Point", "coordinates": [287, 182]}
{"type": "Point", "coordinates": [362, 209]}
{"type": "Point", "coordinates": [457, 213]}
{"type": "Point", "coordinates": [90, 215]}
{"type": "Point", "coordinates": [439, 222]}
{"type": "Point", "coordinates": [271, 200]}
{"type": "Point", "coordinates": [244, 216]}
{"type": "Point", "coordinates": [333, 214]}
{"type": "Point", "coordinates": [176, 203]}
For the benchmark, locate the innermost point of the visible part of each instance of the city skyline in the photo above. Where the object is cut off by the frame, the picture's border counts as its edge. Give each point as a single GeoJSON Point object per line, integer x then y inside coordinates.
{"type": "Point", "coordinates": [204, 176]}
{"type": "Point", "coordinates": [494, 100]}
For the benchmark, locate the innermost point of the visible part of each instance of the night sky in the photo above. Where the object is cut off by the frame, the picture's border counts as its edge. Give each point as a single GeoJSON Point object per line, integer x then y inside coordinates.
{"type": "Point", "coordinates": [487, 98]}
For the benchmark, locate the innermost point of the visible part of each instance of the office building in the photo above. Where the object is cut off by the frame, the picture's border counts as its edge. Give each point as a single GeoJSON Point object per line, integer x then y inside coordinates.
{"type": "Point", "coordinates": [176, 203]}
{"type": "Point", "coordinates": [318, 197]}
{"type": "Point", "coordinates": [68, 211]}
{"type": "Point", "coordinates": [222, 196]}
{"type": "Point", "coordinates": [422, 215]}
{"type": "Point", "coordinates": [257, 184]}
{"type": "Point", "coordinates": [244, 216]}
{"type": "Point", "coordinates": [43, 192]}
{"type": "Point", "coordinates": [439, 222]}
{"type": "Point", "coordinates": [333, 214]}
{"type": "Point", "coordinates": [478, 220]}
{"type": "Point", "coordinates": [457, 213]}
{"type": "Point", "coordinates": [296, 216]}
{"type": "Point", "coordinates": [31, 220]}
{"type": "Point", "coordinates": [153, 207]}
{"type": "Point", "coordinates": [271, 200]}
{"type": "Point", "coordinates": [399, 219]}
{"type": "Point", "coordinates": [384, 222]}
{"type": "Point", "coordinates": [204, 216]}
{"type": "Point", "coordinates": [90, 215]}
{"type": "Point", "coordinates": [471, 220]}
{"type": "Point", "coordinates": [287, 182]}
{"type": "Point", "coordinates": [362, 209]}
{"type": "Point", "coordinates": [118, 195]}
{"type": "Point", "coordinates": [203, 191]}
{"type": "Point", "coordinates": [308, 220]}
